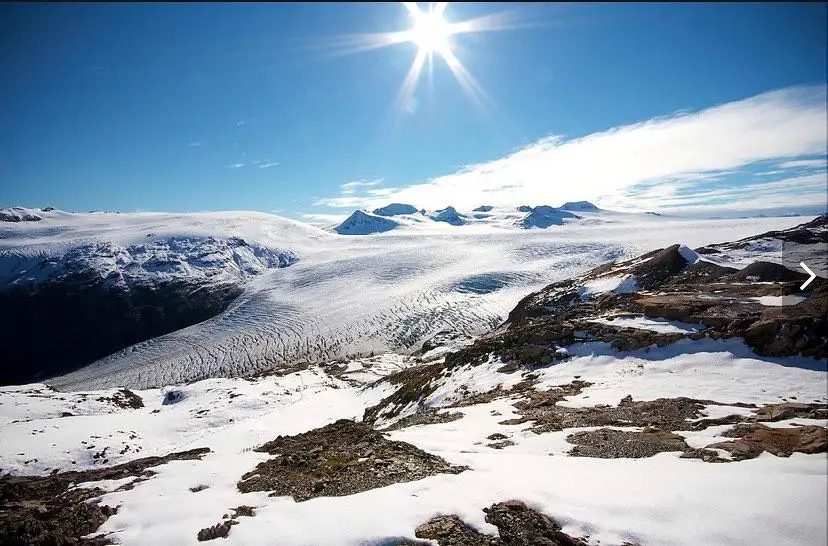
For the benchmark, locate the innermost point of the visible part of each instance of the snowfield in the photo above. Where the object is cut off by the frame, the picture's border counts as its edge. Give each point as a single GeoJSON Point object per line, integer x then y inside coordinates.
{"type": "Point", "coordinates": [506, 427]}
{"type": "Point", "coordinates": [344, 295]}
{"type": "Point", "coordinates": [661, 499]}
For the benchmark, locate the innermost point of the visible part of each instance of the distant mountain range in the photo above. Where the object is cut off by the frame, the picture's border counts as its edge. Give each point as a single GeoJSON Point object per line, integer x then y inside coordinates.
{"type": "Point", "coordinates": [363, 222]}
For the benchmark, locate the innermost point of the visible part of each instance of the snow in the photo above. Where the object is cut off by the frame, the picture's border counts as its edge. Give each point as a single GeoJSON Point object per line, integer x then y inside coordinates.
{"type": "Point", "coordinates": [620, 284]}
{"type": "Point", "coordinates": [579, 206]}
{"type": "Point", "coordinates": [786, 253]}
{"type": "Point", "coordinates": [364, 223]}
{"type": "Point", "coordinates": [344, 295]}
{"type": "Point", "coordinates": [544, 216]}
{"type": "Point", "coordinates": [662, 326]}
{"type": "Point", "coordinates": [657, 500]}
{"type": "Point", "coordinates": [705, 369]}
{"type": "Point", "coordinates": [194, 259]}
{"type": "Point", "coordinates": [776, 301]}
{"type": "Point", "coordinates": [389, 292]}
{"type": "Point", "coordinates": [21, 214]}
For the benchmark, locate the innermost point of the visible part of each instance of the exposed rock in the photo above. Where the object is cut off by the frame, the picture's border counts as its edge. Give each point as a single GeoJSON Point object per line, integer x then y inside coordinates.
{"type": "Point", "coordinates": [782, 442]}
{"type": "Point", "coordinates": [124, 398]}
{"type": "Point", "coordinates": [767, 272]}
{"type": "Point", "coordinates": [43, 510]}
{"type": "Point", "coordinates": [791, 410]}
{"type": "Point", "coordinates": [410, 382]}
{"type": "Point", "coordinates": [219, 530]}
{"type": "Point", "coordinates": [395, 209]}
{"type": "Point", "coordinates": [663, 413]}
{"type": "Point", "coordinates": [501, 444]}
{"type": "Point", "coordinates": [544, 216]}
{"type": "Point", "coordinates": [452, 531]}
{"type": "Point", "coordinates": [608, 443]}
{"type": "Point", "coordinates": [339, 459]}
{"type": "Point", "coordinates": [449, 215]}
{"type": "Point", "coordinates": [517, 525]}
{"type": "Point", "coordinates": [429, 416]}
{"type": "Point", "coordinates": [579, 206]}
{"type": "Point", "coordinates": [88, 319]}
{"type": "Point", "coordinates": [243, 510]}
{"type": "Point", "coordinates": [365, 223]}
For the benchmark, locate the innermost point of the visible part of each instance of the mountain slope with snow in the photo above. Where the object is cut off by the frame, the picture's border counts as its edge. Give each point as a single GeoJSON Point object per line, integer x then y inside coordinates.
{"type": "Point", "coordinates": [363, 223]}
{"type": "Point", "coordinates": [606, 409]}
{"type": "Point", "coordinates": [351, 295]}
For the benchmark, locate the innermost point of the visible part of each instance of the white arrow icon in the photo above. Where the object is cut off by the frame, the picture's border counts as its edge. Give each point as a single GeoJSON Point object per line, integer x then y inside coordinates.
{"type": "Point", "coordinates": [811, 273]}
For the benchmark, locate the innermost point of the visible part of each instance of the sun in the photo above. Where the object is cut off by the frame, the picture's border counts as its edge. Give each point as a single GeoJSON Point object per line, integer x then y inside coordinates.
{"type": "Point", "coordinates": [431, 31]}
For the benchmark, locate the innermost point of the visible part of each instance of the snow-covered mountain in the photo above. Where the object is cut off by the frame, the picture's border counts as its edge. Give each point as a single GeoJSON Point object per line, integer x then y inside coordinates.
{"type": "Point", "coordinates": [22, 214]}
{"type": "Point", "coordinates": [395, 209]}
{"type": "Point", "coordinates": [364, 223]}
{"type": "Point", "coordinates": [579, 206]}
{"type": "Point", "coordinates": [604, 409]}
{"type": "Point", "coordinates": [100, 282]}
{"type": "Point", "coordinates": [341, 296]}
{"type": "Point", "coordinates": [450, 216]}
{"type": "Point", "coordinates": [544, 216]}
{"type": "Point", "coordinates": [408, 217]}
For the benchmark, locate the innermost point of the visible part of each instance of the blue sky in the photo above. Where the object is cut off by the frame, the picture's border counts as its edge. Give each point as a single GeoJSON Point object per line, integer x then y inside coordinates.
{"type": "Point", "coordinates": [184, 107]}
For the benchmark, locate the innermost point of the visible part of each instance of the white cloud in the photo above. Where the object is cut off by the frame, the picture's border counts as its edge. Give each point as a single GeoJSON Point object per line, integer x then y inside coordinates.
{"type": "Point", "coordinates": [806, 190]}
{"type": "Point", "coordinates": [268, 165]}
{"type": "Point", "coordinates": [320, 218]}
{"type": "Point", "coordinates": [805, 164]}
{"type": "Point", "coordinates": [195, 144]}
{"type": "Point", "coordinates": [654, 158]}
{"type": "Point", "coordinates": [382, 192]}
{"type": "Point", "coordinates": [349, 188]}
{"type": "Point", "coordinates": [237, 165]}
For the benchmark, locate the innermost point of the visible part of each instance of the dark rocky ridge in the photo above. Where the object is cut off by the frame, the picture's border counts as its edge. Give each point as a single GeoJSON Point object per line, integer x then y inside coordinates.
{"type": "Point", "coordinates": [60, 313]}
{"type": "Point", "coordinates": [64, 324]}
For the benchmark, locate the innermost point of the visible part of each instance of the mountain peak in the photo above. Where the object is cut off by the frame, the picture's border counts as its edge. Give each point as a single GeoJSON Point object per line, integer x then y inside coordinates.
{"type": "Point", "coordinates": [363, 223]}
{"type": "Point", "coordinates": [395, 209]}
{"type": "Point", "coordinates": [450, 216]}
{"type": "Point", "coordinates": [580, 206]}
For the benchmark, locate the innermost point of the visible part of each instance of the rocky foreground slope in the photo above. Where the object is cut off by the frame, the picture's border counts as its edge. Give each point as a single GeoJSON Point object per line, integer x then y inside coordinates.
{"type": "Point", "coordinates": [659, 400]}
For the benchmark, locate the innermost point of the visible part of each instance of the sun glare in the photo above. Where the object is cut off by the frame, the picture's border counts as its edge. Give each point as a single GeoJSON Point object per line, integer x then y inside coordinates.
{"type": "Point", "coordinates": [431, 31]}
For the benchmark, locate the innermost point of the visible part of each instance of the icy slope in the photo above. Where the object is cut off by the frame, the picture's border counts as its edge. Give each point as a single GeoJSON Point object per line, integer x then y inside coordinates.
{"type": "Point", "coordinates": [591, 407]}
{"type": "Point", "coordinates": [99, 282]}
{"type": "Point", "coordinates": [389, 292]}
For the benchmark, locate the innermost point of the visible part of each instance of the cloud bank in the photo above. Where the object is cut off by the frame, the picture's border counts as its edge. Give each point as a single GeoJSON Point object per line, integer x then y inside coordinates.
{"type": "Point", "coordinates": [687, 160]}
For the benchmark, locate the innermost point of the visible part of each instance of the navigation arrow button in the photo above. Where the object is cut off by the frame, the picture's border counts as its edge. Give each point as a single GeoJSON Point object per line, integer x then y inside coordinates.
{"type": "Point", "coordinates": [811, 273]}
